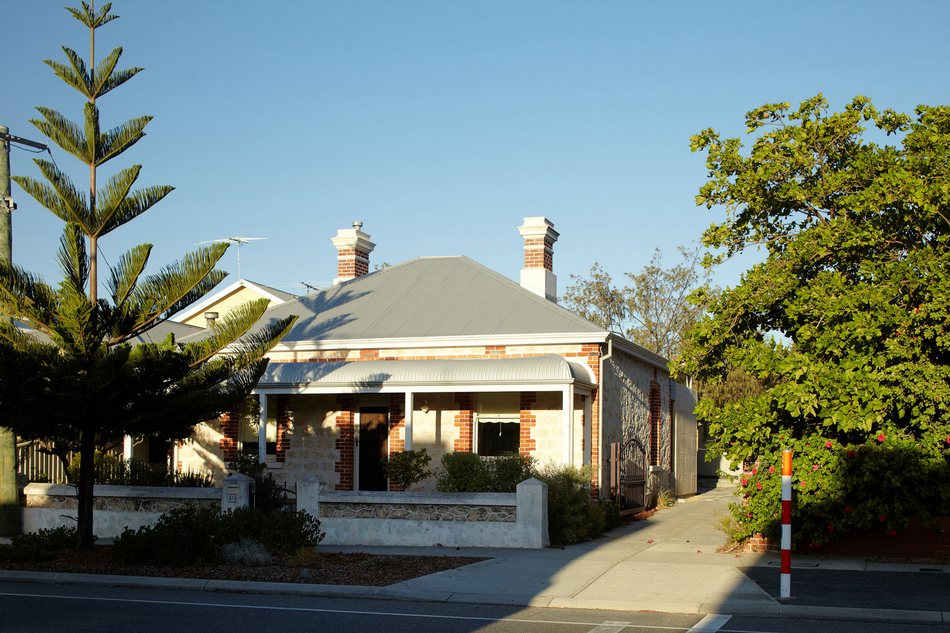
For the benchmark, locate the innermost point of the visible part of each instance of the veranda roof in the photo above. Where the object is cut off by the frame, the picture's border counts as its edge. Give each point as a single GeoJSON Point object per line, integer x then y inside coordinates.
{"type": "Point", "coordinates": [419, 375]}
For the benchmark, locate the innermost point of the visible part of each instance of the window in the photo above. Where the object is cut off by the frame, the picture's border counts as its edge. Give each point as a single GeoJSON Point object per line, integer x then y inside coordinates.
{"type": "Point", "coordinates": [498, 424]}
{"type": "Point", "coordinates": [250, 424]}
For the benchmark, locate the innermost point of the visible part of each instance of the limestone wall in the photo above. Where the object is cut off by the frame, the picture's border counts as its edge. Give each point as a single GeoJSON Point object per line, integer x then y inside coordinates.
{"type": "Point", "coordinates": [419, 519]}
{"type": "Point", "coordinates": [311, 437]}
{"type": "Point", "coordinates": [116, 507]}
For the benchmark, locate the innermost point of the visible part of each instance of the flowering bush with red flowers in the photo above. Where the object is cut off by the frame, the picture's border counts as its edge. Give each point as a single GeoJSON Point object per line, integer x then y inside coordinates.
{"type": "Point", "coordinates": [840, 489]}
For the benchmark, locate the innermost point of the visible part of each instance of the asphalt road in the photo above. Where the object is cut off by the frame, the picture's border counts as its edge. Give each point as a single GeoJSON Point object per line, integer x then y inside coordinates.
{"type": "Point", "coordinates": [41, 608]}
{"type": "Point", "coordinates": [920, 590]}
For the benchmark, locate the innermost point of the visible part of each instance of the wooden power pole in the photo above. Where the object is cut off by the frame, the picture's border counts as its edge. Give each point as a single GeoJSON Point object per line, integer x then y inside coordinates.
{"type": "Point", "coordinates": [9, 500]}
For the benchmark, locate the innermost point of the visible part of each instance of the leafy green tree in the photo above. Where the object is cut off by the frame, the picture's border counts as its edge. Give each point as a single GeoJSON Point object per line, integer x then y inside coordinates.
{"type": "Point", "coordinates": [77, 380]}
{"type": "Point", "coordinates": [656, 307]}
{"type": "Point", "coordinates": [844, 326]}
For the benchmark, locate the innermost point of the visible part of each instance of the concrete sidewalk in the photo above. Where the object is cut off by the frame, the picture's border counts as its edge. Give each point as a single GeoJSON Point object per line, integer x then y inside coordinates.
{"type": "Point", "coordinates": [667, 563]}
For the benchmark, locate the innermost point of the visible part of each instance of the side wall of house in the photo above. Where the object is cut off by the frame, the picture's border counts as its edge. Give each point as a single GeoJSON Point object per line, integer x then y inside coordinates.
{"type": "Point", "coordinates": [627, 384]}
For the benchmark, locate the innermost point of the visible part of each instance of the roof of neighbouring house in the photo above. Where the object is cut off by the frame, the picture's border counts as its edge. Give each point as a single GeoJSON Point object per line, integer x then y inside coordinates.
{"type": "Point", "coordinates": [275, 296]}
{"type": "Point", "coordinates": [427, 297]}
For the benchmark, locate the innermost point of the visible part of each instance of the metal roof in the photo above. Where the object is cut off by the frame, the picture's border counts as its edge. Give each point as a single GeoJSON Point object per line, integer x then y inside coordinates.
{"type": "Point", "coordinates": [427, 297]}
{"type": "Point", "coordinates": [549, 369]}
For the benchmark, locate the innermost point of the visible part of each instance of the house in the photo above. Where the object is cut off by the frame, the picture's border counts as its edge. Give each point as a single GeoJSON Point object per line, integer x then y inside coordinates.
{"type": "Point", "coordinates": [445, 354]}
{"type": "Point", "coordinates": [217, 304]}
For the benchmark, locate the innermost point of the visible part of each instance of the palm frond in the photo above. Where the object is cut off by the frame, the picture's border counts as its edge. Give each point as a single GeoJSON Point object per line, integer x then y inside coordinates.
{"type": "Point", "coordinates": [72, 199]}
{"type": "Point", "coordinates": [125, 274]}
{"type": "Point", "coordinates": [63, 132]}
{"type": "Point", "coordinates": [24, 296]}
{"type": "Point", "coordinates": [45, 195]}
{"type": "Point", "coordinates": [73, 260]}
{"type": "Point", "coordinates": [117, 78]}
{"type": "Point", "coordinates": [107, 77]}
{"type": "Point", "coordinates": [132, 206]}
{"type": "Point", "coordinates": [75, 74]}
{"type": "Point", "coordinates": [251, 348]}
{"type": "Point", "coordinates": [226, 331]}
{"type": "Point", "coordinates": [161, 295]}
{"type": "Point", "coordinates": [109, 197]}
{"type": "Point", "coordinates": [22, 341]}
{"type": "Point", "coordinates": [93, 137]}
{"type": "Point", "coordinates": [93, 19]}
{"type": "Point", "coordinates": [104, 17]}
{"type": "Point", "coordinates": [121, 138]}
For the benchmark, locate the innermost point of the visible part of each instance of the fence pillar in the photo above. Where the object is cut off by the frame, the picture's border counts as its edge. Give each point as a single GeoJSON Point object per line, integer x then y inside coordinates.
{"type": "Point", "coordinates": [532, 499]}
{"type": "Point", "coordinates": [308, 495]}
{"type": "Point", "coordinates": [237, 492]}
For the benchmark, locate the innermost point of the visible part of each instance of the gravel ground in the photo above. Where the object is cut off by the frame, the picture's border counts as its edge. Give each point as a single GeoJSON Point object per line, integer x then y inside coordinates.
{"type": "Point", "coordinates": [323, 568]}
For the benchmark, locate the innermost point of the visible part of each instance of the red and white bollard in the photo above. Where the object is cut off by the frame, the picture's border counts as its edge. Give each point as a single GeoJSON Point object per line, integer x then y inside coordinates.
{"type": "Point", "coordinates": [785, 585]}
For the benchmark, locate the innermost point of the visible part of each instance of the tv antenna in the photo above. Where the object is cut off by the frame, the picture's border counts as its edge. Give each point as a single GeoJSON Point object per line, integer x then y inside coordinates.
{"type": "Point", "coordinates": [240, 240]}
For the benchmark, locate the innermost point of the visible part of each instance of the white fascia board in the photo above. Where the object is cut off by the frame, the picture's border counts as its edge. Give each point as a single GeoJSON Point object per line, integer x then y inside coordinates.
{"type": "Point", "coordinates": [651, 358]}
{"type": "Point", "coordinates": [210, 300]}
{"type": "Point", "coordinates": [270, 296]}
{"type": "Point", "coordinates": [569, 338]}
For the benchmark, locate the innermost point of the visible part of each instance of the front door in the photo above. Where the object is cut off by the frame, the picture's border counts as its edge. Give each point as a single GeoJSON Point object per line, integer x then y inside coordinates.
{"type": "Point", "coordinates": [374, 447]}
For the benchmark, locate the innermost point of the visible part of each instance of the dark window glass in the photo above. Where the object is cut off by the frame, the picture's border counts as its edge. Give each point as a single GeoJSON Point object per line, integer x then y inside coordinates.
{"type": "Point", "coordinates": [498, 438]}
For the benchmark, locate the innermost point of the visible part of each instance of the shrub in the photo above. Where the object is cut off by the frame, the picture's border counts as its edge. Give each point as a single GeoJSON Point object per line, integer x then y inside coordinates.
{"type": "Point", "coordinates": [50, 539]}
{"type": "Point", "coordinates": [507, 471]}
{"type": "Point", "coordinates": [572, 516]}
{"type": "Point", "coordinates": [280, 533]}
{"type": "Point", "coordinates": [462, 472]}
{"type": "Point", "coordinates": [247, 552]}
{"type": "Point", "coordinates": [269, 494]}
{"type": "Point", "coordinates": [469, 472]}
{"type": "Point", "coordinates": [191, 535]}
{"type": "Point", "coordinates": [408, 467]}
{"type": "Point", "coordinates": [183, 536]}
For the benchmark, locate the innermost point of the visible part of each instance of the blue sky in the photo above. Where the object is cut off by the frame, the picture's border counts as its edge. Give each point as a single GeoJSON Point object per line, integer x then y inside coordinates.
{"type": "Point", "coordinates": [441, 124]}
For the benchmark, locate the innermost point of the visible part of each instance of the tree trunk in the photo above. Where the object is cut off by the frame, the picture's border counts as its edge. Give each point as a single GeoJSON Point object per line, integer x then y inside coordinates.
{"type": "Point", "coordinates": [87, 479]}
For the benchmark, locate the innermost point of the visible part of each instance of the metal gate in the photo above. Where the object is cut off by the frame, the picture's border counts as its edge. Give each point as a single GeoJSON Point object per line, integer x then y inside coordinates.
{"type": "Point", "coordinates": [628, 474]}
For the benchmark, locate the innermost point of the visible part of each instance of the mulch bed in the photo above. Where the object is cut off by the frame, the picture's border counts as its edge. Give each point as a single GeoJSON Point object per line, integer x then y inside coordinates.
{"type": "Point", "coordinates": [327, 568]}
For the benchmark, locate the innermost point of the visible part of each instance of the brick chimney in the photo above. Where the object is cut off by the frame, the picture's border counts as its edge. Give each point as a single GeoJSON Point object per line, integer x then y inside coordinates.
{"type": "Point", "coordinates": [538, 273]}
{"type": "Point", "coordinates": [352, 253]}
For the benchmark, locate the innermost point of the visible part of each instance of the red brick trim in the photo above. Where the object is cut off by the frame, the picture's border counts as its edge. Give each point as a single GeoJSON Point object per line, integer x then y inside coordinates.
{"type": "Point", "coordinates": [397, 430]}
{"type": "Point", "coordinates": [527, 443]}
{"type": "Point", "coordinates": [283, 426]}
{"type": "Point", "coordinates": [345, 419]}
{"type": "Point", "coordinates": [230, 427]}
{"type": "Point", "coordinates": [463, 422]}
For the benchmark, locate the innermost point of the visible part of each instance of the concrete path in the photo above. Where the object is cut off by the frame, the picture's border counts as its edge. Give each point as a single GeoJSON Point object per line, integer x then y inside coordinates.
{"type": "Point", "coordinates": [667, 563]}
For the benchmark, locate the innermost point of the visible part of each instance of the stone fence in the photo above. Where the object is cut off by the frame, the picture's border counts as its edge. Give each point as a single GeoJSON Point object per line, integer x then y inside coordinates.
{"type": "Point", "coordinates": [116, 507]}
{"type": "Point", "coordinates": [518, 519]}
